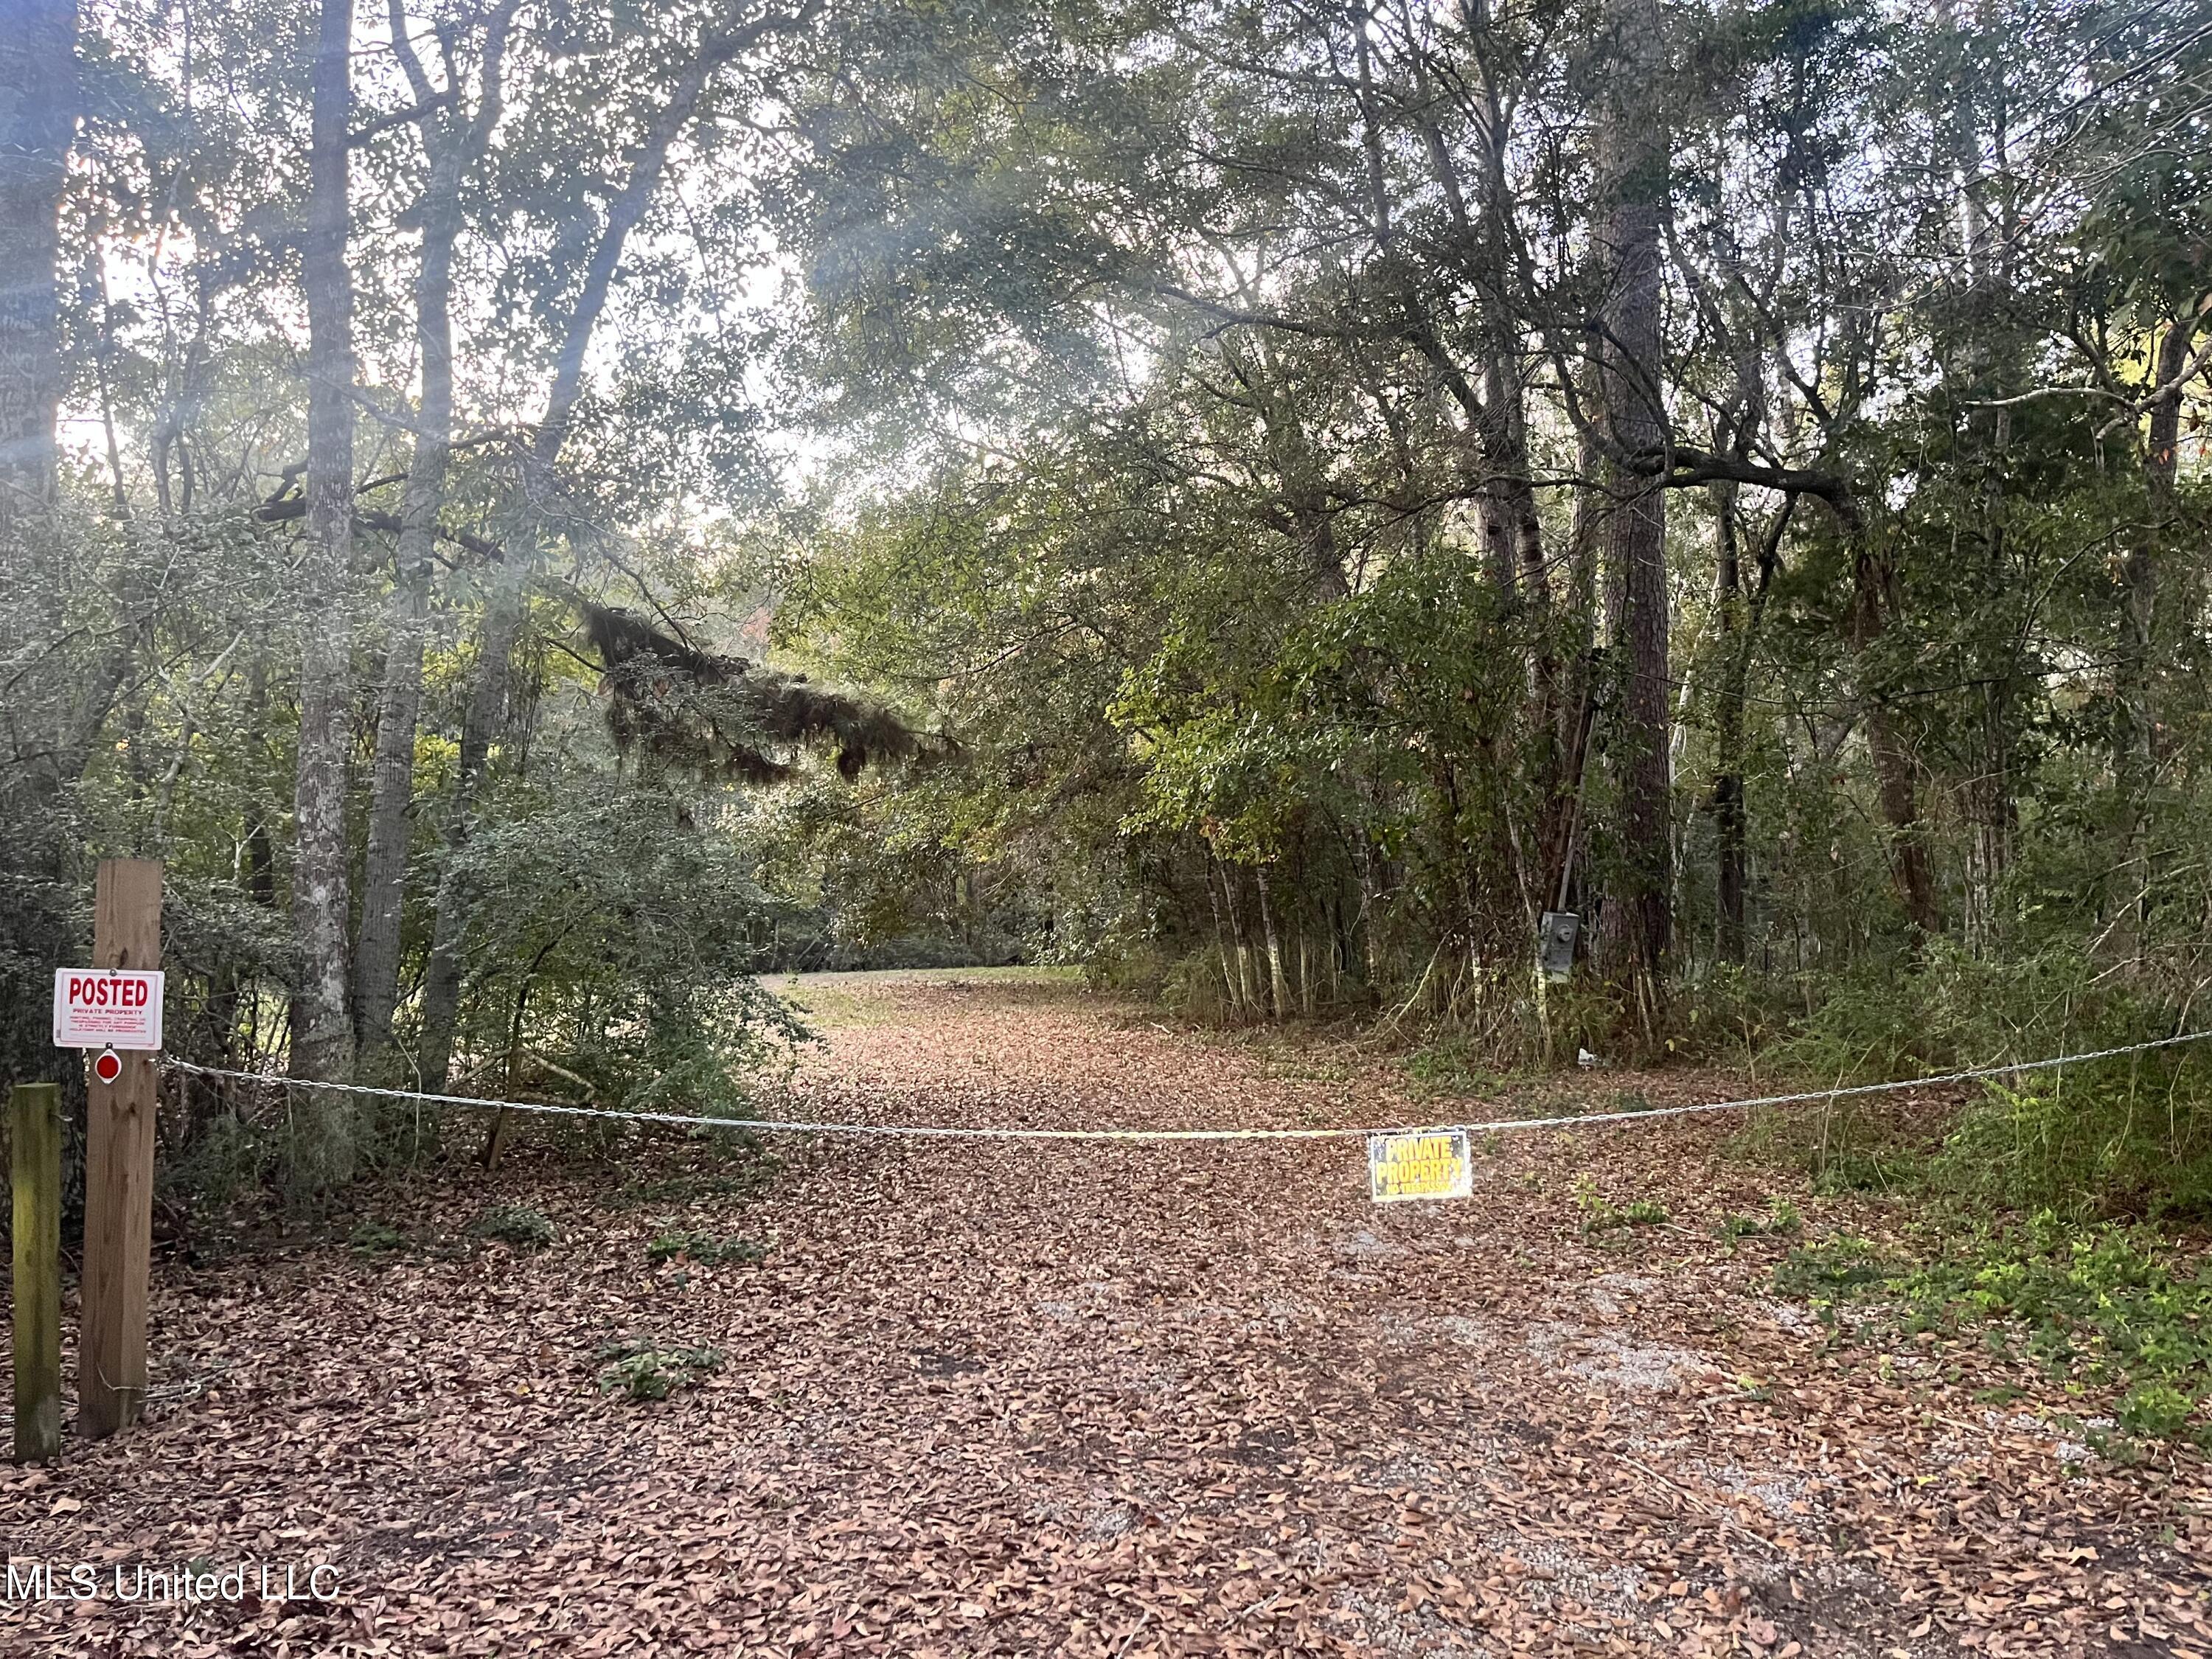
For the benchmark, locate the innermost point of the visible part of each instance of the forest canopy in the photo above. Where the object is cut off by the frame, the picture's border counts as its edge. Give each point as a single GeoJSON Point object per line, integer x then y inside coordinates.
{"type": "Point", "coordinates": [537, 513]}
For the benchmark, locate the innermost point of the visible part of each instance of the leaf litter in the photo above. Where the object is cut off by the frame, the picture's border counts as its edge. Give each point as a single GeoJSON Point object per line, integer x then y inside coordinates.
{"type": "Point", "coordinates": [1094, 1399]}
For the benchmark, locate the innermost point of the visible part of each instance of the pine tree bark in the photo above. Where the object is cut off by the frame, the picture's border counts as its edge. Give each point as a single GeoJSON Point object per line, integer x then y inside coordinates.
{"type": "Point", "coordinates": [322, 1020]}
{"type": "Point", "coordinates": [1633, 165]}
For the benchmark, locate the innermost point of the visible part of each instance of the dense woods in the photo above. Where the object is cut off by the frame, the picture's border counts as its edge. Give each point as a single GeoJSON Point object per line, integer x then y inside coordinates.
{"type": "Point", "coordinates": [536, 512]}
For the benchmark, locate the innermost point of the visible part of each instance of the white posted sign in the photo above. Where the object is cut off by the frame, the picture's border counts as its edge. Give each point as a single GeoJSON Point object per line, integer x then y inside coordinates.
{"type": "Point", "coordinates": [107, 1008]}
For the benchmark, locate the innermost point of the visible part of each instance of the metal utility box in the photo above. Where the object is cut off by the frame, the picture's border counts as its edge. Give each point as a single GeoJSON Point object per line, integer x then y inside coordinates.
{"type": "Point", "coordinates": [1555, 949]}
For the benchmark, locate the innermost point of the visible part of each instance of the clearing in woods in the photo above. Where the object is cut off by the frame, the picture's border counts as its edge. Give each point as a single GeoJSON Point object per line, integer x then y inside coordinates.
{"type": "Point", "coordinates": [1094, 1399]}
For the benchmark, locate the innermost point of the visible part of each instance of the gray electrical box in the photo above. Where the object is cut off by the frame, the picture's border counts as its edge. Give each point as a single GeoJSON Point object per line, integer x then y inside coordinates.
{"type": "Point", "coordinates": [1555, 949]}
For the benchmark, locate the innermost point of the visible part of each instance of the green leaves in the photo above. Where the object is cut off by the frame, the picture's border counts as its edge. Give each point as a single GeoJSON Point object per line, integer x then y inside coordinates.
{"type": "Point", "coordinates": [644, 1371]}
{"type": "Point", "coordinates": [518, 1225]}
{"type": "Point", "coordinates": [617, 938]}
{"type": "Point", "coordinates": [2102, 1305]}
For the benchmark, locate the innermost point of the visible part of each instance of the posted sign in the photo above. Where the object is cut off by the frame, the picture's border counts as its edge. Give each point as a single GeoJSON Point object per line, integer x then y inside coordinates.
{"type": "Point", "coordinates": [107, 1008]}
{"type": "Point", "coordinates": [1431, 1163]}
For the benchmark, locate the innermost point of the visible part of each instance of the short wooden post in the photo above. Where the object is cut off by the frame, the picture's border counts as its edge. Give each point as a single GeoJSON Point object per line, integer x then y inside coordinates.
{"type": "Point", "coordinates": [35, 1142]}
{"type": "Point", "coordinates": [118, 1172]}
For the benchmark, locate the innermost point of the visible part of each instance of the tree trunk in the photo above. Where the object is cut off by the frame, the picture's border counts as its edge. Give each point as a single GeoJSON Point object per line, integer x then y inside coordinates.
{"type": "Point", "coordinates": [44, 711]}
{"type": "Point", "coordinates": [1729, 827]}
{"type": "Point", "coordinates": [1989, 849]}
{"type": "Point", "coordinates": [1910, 869]}
{"type": "Point", "coordinates": [38, 112]}
{"type": "Point", "coordinates": [1370, 866]}
{"type": "Point", "coordinates": [1632, 164]}
{"type": "Point", "coordinates": [442, 984]}
{"type": "Point", "coordinates": [322, 1021]}
{"type": "Point", "coordinates": [450, 149]}
{"type": "Point", "coordinates": [2134, 753]}
{"type": "Point", "coordinates": [1248, 990]}
{"type": "Point", "coordinates": [506, 609]}
{"type": "Point", "coordinates": [1278, 992]}
{"type": "Point", "coordinates": [1496, 523]}
{"type": "Point", "coordinates": [383, 866]}
{"type": "Point", "coordinates": [1230, 985]}
{"type": "Point", "coordinates": [1741, 620]}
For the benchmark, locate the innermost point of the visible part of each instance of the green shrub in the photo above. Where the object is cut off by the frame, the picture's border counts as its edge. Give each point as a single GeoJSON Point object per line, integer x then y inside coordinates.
{"type": "Point", "coordinates": [2156, 1411]}
{"type": "Point", "coordinates": [2109, 1136]}
{"type": "Point", "coordinates": [1782, 1221]}
{"type": "Point", "coordinates": [1857, 1169]}
{"type": "Point", "coordinates": [703, 1248]}
{"type": "Point", "coordinates": [638, 934]}
{"type": "Point", "coordinates": [2101, 1303]}
{"type": "Point", "coordinates": [517, 1225]}
{"type": "Point", "coordinates": [1877, 1021]}
{"type": "Point", "coordinates": [642, 1371]}
{"type": "Point", "coordinates": [2127, 1135]}
{"type": "Point", "coordinates": [1845, 1145]}
{"type": "Point", "coordinates": [1831, 1271]}
{"type": "Point", "coordinates": [1600, 1216]}
{"type": "Point", "coordinates": [376, 1238]}
{"type": "Point", "coordinates": [1726, 1016]}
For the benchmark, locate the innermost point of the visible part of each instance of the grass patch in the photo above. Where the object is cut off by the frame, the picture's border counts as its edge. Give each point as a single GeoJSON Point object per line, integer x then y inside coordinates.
{"type": "Point", "coordinates": [1866, 1170]}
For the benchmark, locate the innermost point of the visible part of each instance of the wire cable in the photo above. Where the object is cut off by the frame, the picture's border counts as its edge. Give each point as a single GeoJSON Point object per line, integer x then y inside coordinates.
{"type": "Point", "coordinates": [966, 1131]}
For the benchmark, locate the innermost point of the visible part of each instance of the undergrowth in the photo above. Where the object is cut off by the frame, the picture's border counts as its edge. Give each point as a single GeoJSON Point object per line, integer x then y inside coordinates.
{"type": "Point", "coordinates": [1783, 1219]}
{"type": "Point", "coordinates": [704, 1248]}
{"type": "Point", "coordinates": [2128, 1137]}
{"type": "Point", "coordinates": [1450, 1066]}
{"type": "Point", "coordinates": [1600, 1215]}
{"type": "Point", "coordinates": [640, 1370]}
{"type": "Point", "coordinates": [517, 1225]}
{"type": "Point", "coordinates": [371, 1238]}
{"type": "Point", "coordinates": [2098, 1305]}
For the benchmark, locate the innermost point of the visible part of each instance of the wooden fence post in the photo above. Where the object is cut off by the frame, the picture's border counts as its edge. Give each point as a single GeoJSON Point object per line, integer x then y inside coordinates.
{"type": "Point", "coordinates": [35, 1131]}
{"type": "Point", "coordinates": [118, 1172]}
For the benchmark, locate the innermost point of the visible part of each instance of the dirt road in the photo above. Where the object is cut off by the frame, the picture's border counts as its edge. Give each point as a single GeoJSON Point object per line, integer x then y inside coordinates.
{"type": "Point", "coordinates": [989, 1398]}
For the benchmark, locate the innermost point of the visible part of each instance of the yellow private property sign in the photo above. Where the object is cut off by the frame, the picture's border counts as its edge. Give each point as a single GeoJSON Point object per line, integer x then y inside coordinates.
{"type": "Point", "coordinates": [1432, 1164]}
